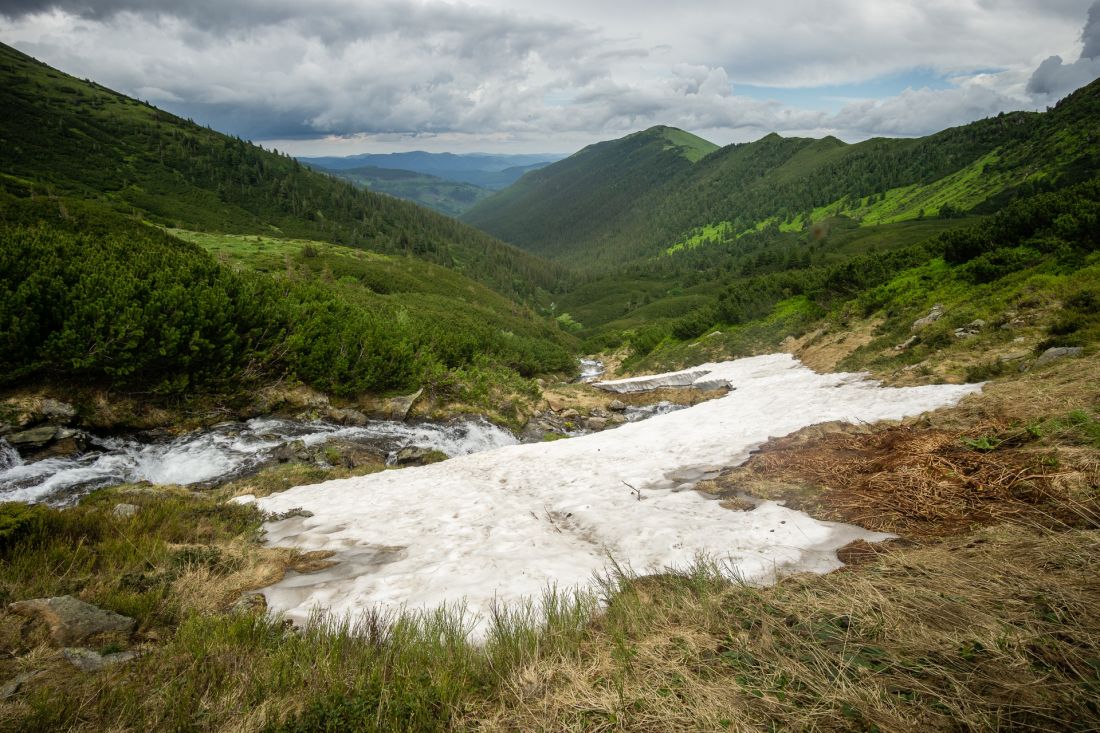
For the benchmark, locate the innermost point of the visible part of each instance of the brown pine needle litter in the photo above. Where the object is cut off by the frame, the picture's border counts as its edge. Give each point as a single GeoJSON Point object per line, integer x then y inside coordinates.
{"type": "Point", "coordinates": [920, 482]}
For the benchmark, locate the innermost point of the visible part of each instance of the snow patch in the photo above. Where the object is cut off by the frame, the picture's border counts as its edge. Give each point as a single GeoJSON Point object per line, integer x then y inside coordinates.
{"type": "Point", "coordinates": [504, 524]}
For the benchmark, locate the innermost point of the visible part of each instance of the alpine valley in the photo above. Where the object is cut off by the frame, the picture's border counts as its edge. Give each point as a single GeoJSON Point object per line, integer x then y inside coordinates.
{"type": "Point", "coordinates": [282, 449]}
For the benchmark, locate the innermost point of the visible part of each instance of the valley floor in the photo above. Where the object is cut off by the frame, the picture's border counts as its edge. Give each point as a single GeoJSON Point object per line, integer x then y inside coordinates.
{"type": "Point", "coordinates": [982, 616]}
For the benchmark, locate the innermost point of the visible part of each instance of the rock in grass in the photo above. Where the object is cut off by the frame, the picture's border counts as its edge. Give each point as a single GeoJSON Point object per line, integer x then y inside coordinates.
{"type": "Point", "coordinates": [125, 510]}
{"type": "Point", "coordinates": [87, 660]}
{"type": "Point", "coordinates": [616, 406]}
{"type": "Point", "coordinates": [249, 603]}
{"type": "Point", "coordinates": [13, 686]}
{"type": "Point", "coordinates": [1058, 352]}
{"type": "Point", "coordinates": [933, 315]}
{"type": "Point", "coordinates": [57, 411]}
{"type": "Point", "coordinates": [71, 620]}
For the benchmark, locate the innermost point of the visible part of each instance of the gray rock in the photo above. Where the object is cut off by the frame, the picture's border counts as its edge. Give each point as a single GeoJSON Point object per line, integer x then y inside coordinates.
{"type": "Point", "coordinates": [599, 412]}
{"type": "Point", "coordinates": [123, 511]}
{"type": "Point", "coordinates": [35, 437]}
{"type": "Point", "coordinates": [597, 423]}
{"type": "Point", "coordinates": [72, 620]}
{"type": "Point", "coordinates": [295, 450]}
{"type": "Point", "coordinates": [399, 406]}
{"type": "Point", "coordinates": [616, 420]}
{"type": "Point", "coordinates": [47, 441]}
{"type": "Point", "coordinates": [616, 405]}
{"type": "Point", "coordinates": [907, 343]}
{"type": "Point", "coordinates": [14, 685]}
{"type": "Point", "coordinates": [964, 333]}
{"type": "Point", "coordinates": [348, 416]}
{"type": "Point", "coordinates": [391, 408]}
{"type": "Point", "coordinates": [570, 414]}
{"type": "Point", "coordinates": [416, 456]}
{"type": "Point", "coordinates": [87, 660]}
{"type": "Point", "coordinates": [354, 455]}
{"type": "Point", "coordinates": [1058, 352]}
{"type": "Point", "coordinates": [57, 411]}
{"type": "Point", "coordinates": [977, 324]}
{"type": "Point", "coordinates": [933, 315]}
{"type": "Point", "coordinates": [250, 603]}
{"type": "Point", "coordinates": [1014, 356]}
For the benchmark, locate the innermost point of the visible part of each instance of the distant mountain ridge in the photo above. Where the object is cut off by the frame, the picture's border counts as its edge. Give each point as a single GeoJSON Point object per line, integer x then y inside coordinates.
{"type": "Point", "coordinates": [447, 197]}
{"type": "Point", "coordinates": [487, 170]}
{"type": "Point", "coordinates": [642, 196]}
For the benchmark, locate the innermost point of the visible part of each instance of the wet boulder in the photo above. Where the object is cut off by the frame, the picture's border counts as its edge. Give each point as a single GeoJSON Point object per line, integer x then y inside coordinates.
{"type": "Point", "coordinates": [346, 416]}
{"type": "Point", "coordinates": [48, 441]}
{"type": "Point", "coordinates": [295, 450]}
{"type": "Point", "coordinates": [418, 456]}
{"type": "Point", "coordinates": [350, 454]}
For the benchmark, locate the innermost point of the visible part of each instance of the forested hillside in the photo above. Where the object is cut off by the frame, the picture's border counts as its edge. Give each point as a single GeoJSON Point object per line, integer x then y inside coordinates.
{"type": "Point", "coordinates": [601, 209]}
{"type": "Point", "coordinates": [447, 197]}
{"type": "Point", "coordinates": [76, 138]}
{"type": "Point", "coordinates": [564, 210]}
{"type": "Point", "coordinates": [343, 290]}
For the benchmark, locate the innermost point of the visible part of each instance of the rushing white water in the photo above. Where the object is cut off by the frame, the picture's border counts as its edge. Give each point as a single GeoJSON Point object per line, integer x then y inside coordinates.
{"type": "Point", "coordinates": [634, 413]}
{"type": "Point", "coordinates": [591, 369]}
{"type": "Point", "coordinates": [220, 453]}
{"type": "Point", "coordinates": [504, 524]}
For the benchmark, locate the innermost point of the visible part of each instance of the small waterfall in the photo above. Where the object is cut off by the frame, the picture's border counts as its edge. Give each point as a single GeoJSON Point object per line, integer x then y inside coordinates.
{"type": "Point", "coordinates": [591, 369]}
{"type": "Point", "coordinates": [9, 457]}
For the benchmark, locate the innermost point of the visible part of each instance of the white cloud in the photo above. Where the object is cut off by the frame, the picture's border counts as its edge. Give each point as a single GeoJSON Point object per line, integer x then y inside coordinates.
{"type": "Point", "coordinates": [522, 75]}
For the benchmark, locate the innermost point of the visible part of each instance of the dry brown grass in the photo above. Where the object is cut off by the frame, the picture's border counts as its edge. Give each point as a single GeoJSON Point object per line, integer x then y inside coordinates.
{"type": "Point", "coordinates": [823, 349]}
{"type": "Point", "coordinates": [916, 482]}
{"type": "Point", "coordinates": [982, 462]}
{"type": "Point", "coordinates": [997, 631]}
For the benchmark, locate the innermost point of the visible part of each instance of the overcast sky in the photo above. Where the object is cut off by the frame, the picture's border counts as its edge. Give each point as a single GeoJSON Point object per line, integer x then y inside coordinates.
{"type": "Point", "coordinates": [337, 77]}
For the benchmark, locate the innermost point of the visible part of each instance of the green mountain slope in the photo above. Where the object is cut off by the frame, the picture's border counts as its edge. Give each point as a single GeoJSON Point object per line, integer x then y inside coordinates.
{"type": "Point", "coordinates": [141, 252]}
{"type": "Point", "coordinates": [447, 197]}
{"type": "Point", "coordinates": [596, 209]}
{"type": "Point", "coordinates": [563, 211]}
{"type": "Point", "coordinates": [77, 138]}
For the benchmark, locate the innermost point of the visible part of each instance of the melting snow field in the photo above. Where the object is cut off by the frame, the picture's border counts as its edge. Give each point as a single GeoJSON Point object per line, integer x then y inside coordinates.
{"type": "Point", "coordinates": [506, 523]}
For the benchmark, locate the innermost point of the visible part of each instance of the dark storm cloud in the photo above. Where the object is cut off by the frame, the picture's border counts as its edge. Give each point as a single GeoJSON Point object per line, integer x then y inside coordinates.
{"type": "Point", "coordinates": [1055, 78]}
{"type": "Point", "coordinates": [333, 21]}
